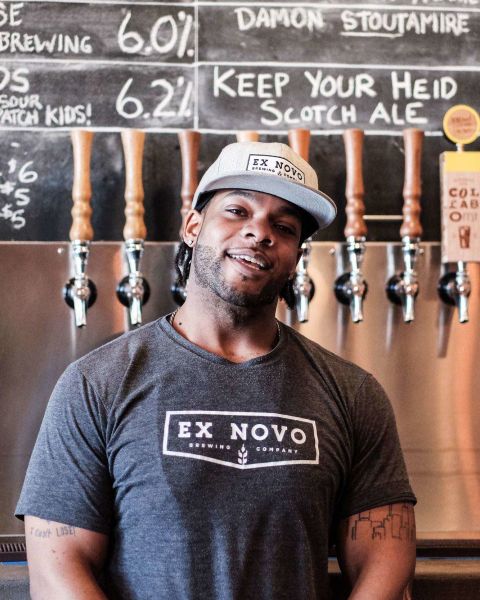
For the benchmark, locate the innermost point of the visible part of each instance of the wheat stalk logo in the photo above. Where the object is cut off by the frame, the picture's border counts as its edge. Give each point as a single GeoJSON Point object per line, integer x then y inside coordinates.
{"type": "Point", "coordinates": [242, 455]}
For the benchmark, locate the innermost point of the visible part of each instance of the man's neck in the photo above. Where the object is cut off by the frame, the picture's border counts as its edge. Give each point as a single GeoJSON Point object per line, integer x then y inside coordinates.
{"type": "Point", "coordinates": [232, 332]}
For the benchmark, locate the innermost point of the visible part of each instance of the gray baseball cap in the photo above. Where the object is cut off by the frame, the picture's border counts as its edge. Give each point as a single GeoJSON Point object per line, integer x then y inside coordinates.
{"type": "Point", "coordinates": [272, 169]}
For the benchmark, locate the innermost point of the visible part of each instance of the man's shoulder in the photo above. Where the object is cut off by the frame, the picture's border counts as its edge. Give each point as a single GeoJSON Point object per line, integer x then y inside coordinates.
{"type": "Point", "coordinates": [106, 365]}
{"type": "Point", "coordinates": [126, 343]}
{"type": "Point", "coordinates": [329, 364]}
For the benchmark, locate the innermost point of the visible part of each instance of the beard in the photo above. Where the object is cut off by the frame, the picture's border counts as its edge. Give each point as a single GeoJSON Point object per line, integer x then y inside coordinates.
{"type": "Point", "coordinates": [207, 266]}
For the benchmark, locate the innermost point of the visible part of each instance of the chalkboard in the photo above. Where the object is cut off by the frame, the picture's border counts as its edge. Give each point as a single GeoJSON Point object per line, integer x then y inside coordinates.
{"type": "Point", "coordinates": [219, 67]}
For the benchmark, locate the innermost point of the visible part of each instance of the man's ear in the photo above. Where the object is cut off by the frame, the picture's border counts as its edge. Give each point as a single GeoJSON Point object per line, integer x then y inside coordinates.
{"type": "Point", "coordinates": [193, 224]}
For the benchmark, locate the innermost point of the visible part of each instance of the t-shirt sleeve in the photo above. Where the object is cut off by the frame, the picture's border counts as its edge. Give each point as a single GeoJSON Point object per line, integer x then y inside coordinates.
{"type": "Point", "coordinates": [378, 474]}
{"type": "Point", "coordinates": [68, 479]}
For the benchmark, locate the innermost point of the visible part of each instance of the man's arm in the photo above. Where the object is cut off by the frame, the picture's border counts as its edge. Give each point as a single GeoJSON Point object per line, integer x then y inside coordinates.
{"type": "Point", "coordinates": [376, 551]}
{"type": "Point", "coordinates": [63, 560]}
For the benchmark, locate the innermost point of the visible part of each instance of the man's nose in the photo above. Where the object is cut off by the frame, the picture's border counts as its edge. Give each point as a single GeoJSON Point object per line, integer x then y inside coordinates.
{"type": "Point", "coordinates": [261, 230]}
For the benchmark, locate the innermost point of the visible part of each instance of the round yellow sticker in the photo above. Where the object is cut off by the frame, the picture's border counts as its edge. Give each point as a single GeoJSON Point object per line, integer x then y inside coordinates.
{"type": "Point", "coordinates": [461, 124]}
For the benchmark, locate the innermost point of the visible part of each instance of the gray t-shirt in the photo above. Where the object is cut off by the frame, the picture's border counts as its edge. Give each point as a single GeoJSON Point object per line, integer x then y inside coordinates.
{"type": "Point", "coordinates": [214, 480]}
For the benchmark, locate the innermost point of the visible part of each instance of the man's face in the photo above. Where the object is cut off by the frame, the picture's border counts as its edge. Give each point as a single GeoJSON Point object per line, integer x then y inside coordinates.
{"type": "Point", "coordinates": [247, 246]}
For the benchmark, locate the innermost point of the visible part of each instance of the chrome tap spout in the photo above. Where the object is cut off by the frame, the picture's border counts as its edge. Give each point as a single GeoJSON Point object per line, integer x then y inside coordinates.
{"type": "Point", "coordinates": [454, 288]}
{"type": "Point", "coordinates": [79, 292]}
{"type": "Point", "coordinates": [351, 288]}
{"type": "Point", "coordinates": [303, 287]}
{"type": "Point", "coordinates": [403, 288]}
{"type": "Point", "coordinates": [133, 291]}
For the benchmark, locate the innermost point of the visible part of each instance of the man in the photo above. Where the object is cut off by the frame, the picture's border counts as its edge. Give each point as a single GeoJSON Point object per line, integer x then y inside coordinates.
{"type": "Point", "coordinates": [215, 453]}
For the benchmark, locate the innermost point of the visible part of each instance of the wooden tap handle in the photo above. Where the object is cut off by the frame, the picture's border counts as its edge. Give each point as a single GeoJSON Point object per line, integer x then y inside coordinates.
{"type": "Point", "coordinates": [354, 190]}
{"type": "Point", "coordinates": [412, 187]}
{"type": "Point", "coordinates": [81, 228]}
{"type": "Point", "coordinates": [133, 141]}
{"type": "Point", "coordinates": [248, 136]}
{"type": "Point", "coordinates": [189, 149]}
{"type": "Point", "coordinates": [299, 141]}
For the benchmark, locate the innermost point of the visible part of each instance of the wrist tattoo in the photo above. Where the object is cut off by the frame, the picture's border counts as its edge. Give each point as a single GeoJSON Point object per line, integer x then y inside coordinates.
{"type": "Point", "coordinates": [396, 523]}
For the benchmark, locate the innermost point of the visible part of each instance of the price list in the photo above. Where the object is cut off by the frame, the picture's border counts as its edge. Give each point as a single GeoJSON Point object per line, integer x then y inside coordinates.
{"type": "Point", "coordinates": [98, 65]}
{"type": "Point", "coordinates": [219, 66]}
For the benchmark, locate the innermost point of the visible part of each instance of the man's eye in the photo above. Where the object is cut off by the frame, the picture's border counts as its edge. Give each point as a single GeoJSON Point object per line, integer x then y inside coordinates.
{"type": "Point", "coordinates": [286, 228]}
{"type": "Point", "coordinates": [235, 211]}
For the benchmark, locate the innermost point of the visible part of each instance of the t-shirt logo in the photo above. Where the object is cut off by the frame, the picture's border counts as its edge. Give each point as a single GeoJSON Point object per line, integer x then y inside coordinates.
{"type": "Point", "coordinates": [243, 440]}
{"type": "Point", "coordinates": [277, 165]}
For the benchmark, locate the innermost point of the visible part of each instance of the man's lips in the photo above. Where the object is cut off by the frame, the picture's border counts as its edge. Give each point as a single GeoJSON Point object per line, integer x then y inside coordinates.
{"type": "Point", "coordinates": [250, 258]}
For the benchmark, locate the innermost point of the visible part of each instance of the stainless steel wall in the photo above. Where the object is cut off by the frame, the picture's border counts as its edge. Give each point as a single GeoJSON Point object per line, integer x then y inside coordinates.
{"type": "Point", "coordinates": [428, 367]}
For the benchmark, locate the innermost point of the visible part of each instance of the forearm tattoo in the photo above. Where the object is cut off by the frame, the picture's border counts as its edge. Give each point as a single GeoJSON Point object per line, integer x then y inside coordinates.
{"type": "Point", "coordinates": [50, 531]}
{"type": "Point", "coordinates": [398, 523]}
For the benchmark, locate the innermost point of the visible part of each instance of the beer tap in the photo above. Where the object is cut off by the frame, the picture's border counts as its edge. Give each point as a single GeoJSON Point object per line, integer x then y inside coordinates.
{"type": "Point", "coordinates": [402, 288]}
{"type": "Point", "coordinates": [459, 170]}
{"type": "Point", "coordinates": [454, 288]}
{"type": "Point", "coordinates": [133, 290]}
{"type": "Point", "coordinates": [80, 292]}
{"type": "Point", "coordinates": [351, 288]}
{"type": "Point", "coordinates": [189, 149]}
{"type": "Point", "coordinates": [303, 286]}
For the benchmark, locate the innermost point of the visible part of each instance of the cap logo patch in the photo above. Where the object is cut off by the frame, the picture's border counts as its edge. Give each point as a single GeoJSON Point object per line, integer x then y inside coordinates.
{"type": "Point", "coordinates": [275, 165]}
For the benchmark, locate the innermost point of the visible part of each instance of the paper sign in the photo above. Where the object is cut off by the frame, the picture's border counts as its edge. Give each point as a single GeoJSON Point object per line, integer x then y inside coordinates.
{"type": "Point", "coordinates": [460, 193]}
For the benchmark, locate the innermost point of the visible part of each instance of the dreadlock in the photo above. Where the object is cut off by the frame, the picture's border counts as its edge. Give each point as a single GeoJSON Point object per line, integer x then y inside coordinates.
{"type": "Point", "coordinates": [183, 262]}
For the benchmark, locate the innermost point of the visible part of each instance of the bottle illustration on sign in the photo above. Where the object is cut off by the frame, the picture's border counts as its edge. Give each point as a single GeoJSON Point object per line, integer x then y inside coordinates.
{"type": "Point", "coordinates": [464, 236]}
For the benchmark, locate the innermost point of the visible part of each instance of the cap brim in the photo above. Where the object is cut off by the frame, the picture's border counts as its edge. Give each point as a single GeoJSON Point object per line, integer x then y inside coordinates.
{"type": "Point", "coordinates": [316, 203]}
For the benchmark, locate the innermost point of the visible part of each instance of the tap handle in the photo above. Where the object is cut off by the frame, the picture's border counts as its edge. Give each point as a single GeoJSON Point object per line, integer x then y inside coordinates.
{"type": "Point", "coordinates": [354, 191]}
{"type": "Point", "coordinates": [299, 141]}
{"type": "Point", "coordinates": [81, 228]}
{"type": "Point", "coordinates": [248, 136]}
{"type": "Point", "coordinates": [189, 149]}
{"type": "Point", "coordinates": [133, 141]}
{"type": "Point", "coordinates": [412, 188]}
